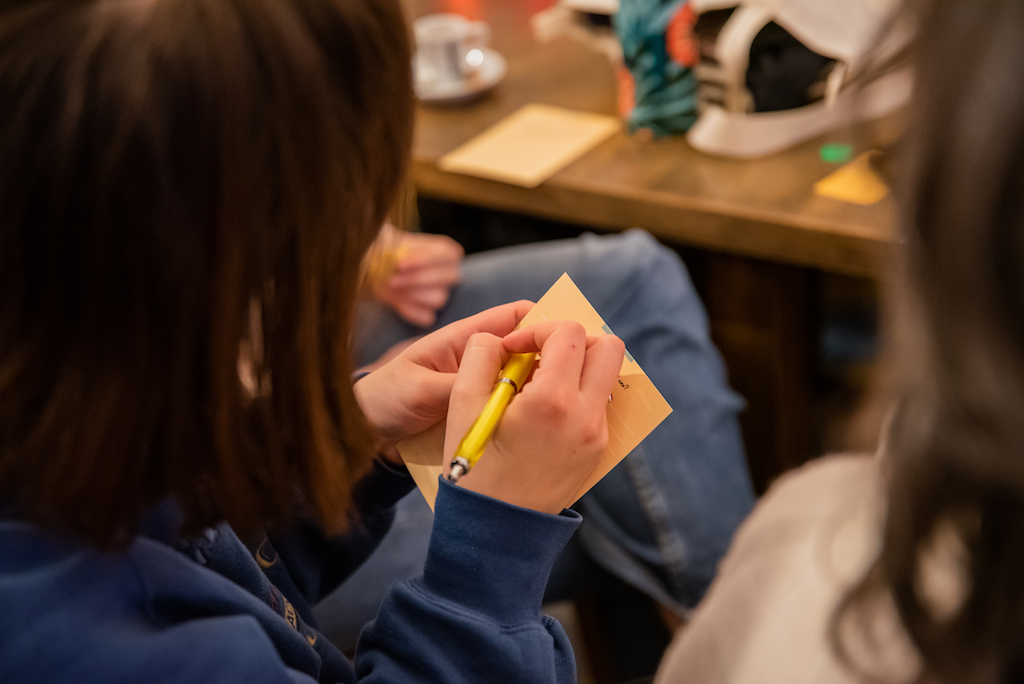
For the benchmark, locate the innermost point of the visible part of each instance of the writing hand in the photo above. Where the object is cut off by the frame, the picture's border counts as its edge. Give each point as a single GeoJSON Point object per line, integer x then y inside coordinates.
{"type": "Point", "coordinates": [554, 430]}
{"type": "Point", "coordinates": [410, 393]}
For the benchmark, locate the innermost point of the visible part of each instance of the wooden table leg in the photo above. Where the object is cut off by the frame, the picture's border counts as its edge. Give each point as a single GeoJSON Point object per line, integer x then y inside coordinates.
{"type": "Point", "coordinates": [763, 320]}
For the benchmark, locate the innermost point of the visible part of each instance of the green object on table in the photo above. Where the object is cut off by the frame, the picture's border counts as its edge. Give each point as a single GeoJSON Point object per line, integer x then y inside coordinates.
{"type": "Point", "coordinates": [836, 153]}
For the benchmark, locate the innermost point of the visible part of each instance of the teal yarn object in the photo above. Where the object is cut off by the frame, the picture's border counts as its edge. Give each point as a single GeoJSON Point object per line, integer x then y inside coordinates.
{"type": "Point", "coordinates": [665, 92]}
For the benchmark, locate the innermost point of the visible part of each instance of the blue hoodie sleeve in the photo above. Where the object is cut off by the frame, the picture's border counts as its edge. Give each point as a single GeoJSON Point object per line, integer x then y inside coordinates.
{"type": "Point", "coordinates": [474, 614]}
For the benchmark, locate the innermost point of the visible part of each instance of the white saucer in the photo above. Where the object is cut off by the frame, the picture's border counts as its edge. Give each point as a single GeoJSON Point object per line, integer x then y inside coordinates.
{"type": "Point", "coordinates": [492, 69]}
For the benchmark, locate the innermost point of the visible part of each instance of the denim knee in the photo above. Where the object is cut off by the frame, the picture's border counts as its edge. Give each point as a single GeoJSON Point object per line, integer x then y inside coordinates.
{"type": "Point", "coordinates": [653, 261]}
{"type": "Point", "coordinates": [640, 250]}
{"type": "Point", "coordinates": [653, 286]}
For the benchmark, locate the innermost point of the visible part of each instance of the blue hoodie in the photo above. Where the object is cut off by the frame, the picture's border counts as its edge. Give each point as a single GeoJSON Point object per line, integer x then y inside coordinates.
{"type": "Point", "coordinates": [209, 609]}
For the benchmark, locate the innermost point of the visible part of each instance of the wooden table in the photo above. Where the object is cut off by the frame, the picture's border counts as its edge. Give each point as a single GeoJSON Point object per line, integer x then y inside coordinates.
{"type": "Point", "coordinates": [767, 233]}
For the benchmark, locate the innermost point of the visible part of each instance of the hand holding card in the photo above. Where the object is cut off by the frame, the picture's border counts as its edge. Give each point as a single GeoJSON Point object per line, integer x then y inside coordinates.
{"type": "Point", "coordinates": [635, 410]}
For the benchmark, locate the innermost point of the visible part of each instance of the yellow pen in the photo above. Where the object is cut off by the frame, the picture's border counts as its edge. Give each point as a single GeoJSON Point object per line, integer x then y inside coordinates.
{"type": "Point", "coordinates": [472, 445]}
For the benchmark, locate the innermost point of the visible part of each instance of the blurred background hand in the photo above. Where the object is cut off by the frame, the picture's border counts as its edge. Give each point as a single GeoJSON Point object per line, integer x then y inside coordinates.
{"type": "Point", "coordinates": [418, 272]}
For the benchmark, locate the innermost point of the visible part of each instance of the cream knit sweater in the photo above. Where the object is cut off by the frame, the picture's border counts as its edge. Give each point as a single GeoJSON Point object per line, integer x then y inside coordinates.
{"type": "Point", "coordinates": [765, 619]}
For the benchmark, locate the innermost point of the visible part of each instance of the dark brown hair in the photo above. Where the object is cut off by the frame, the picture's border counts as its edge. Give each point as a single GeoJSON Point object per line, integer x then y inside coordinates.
{"type": "Point", "coordinates": [165, 166]}
{"type": "Point", "coordinates": [955, 453]}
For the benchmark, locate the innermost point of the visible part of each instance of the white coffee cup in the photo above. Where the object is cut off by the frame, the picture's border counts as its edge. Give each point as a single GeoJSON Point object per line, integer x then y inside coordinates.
{"type": "Point", "coordinates": [449, 47]}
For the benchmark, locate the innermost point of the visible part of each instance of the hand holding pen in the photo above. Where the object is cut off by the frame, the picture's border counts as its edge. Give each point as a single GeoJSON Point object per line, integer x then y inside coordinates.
{"type": "Point", "coordinates": [411, 391]}
{"type": "Point", "coordinates": [471, 447]}
{"type": "Point", "coordinates": [553, 430]}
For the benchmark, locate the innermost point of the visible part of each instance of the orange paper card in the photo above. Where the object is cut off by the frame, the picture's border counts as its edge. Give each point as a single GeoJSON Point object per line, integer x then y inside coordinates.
{"type": "Point", "coordinates": [530, 145]}
{"type": "Point", "coordinates": [855, 182]}
{"type": "Point", "coordinates": [637, 406]}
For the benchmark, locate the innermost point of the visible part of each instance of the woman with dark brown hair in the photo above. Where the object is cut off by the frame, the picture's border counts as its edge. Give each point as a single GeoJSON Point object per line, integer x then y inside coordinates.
{"type": "Point", "coordinates": [909, 567]}
{"type": "Point", "coordinates": [184, 182]}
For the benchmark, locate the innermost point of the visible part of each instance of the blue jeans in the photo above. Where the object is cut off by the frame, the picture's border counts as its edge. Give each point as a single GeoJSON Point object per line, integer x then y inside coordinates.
{"type": "Point", "coordinates": [663, 518]}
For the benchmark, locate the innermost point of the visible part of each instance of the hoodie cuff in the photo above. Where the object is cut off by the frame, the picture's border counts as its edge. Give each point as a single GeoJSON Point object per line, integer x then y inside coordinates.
{"type": "Point", "coordinates": [491, 556]}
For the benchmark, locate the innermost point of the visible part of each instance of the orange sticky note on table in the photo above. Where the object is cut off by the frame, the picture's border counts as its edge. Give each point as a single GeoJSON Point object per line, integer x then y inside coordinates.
{"type": "Point", "coordinates": [636, 408]}
{"type": "Point", "coordinates": [856, 182]}
{"type": "Point", "coordinates": [530, 145]}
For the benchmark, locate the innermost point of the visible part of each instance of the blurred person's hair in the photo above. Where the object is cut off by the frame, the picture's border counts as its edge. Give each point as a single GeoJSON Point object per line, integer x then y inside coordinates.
{"type": "Point", "coordinates": [952, 555]}
{"type": "Point", "coordinates": [172, 171]}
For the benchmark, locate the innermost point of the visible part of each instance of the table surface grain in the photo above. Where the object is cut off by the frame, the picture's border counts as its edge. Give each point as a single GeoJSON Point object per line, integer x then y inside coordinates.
{"type": "Point", "coordinates": [763, 208]}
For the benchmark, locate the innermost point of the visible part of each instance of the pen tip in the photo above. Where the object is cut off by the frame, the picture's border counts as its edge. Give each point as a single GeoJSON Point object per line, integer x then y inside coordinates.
{"type": "Point", "coordinates": [455, 473]}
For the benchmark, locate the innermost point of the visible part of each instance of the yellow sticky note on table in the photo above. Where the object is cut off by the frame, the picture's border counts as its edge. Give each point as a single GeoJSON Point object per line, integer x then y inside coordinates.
{"type": "Point", "coordinates": [530, 145]}
{"type": "Point", "coordinates": [636, 408]}
{"type": "Point", "coordinates": [855, 182]}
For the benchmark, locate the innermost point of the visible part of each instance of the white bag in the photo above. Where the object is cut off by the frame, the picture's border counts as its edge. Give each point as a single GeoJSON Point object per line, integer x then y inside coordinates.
{"type": "Point", "coordinates": [843, 30]}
